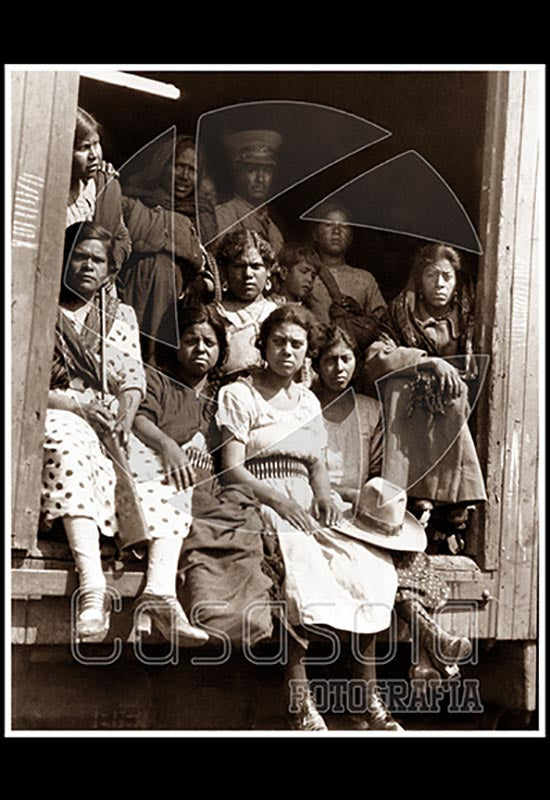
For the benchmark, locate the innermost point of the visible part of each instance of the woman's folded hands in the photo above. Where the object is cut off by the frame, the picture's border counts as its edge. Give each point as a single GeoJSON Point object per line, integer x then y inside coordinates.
{"type": "Point", "coordinates": [323, 511]}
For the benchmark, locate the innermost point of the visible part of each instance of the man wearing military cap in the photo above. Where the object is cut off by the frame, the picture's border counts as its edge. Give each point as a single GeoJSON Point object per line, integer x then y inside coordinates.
{"type": "Point", "coordinates": [253, 156]}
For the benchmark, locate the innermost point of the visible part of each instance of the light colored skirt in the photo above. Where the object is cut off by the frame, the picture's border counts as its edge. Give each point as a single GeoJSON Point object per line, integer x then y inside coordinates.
{"type": "Point", "coordinates": [78, 480]}
{"type": "Point", "coordinates": [331, 579]}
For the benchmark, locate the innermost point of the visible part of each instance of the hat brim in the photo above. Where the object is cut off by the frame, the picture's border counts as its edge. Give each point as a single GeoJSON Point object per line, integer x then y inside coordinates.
{"type": "Point", "coordinates": [412, 536]}
{"type": "Point", "coordinates": [258, 161]}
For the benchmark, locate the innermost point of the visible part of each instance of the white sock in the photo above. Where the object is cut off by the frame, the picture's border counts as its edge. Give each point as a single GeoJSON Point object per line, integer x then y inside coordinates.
{"type": "Point", "coordinates": [162, 565]}
{"type": "Point", "coordinates": [83, 536]}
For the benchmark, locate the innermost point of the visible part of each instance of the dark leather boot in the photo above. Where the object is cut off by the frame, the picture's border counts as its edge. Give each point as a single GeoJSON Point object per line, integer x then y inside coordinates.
{"type": "Point", "coordinates": [424, 670]}
{"type": "Point", "coordinates": [444, 649]}
{"type": "Point", "coordinates": [302, 712]}
{"type": "Point", "coordinates": [306, 718]}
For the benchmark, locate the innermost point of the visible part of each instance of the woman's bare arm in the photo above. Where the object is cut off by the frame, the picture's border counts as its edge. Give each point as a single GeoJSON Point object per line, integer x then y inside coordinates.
{"type": "Point", "coordinates": [128, 404]}
{"type": "Point", "coordinates": [319, 480]}
{"type": "Point", "coordinates": [324, 508]}
{"type": "Point", "coordinates": [175, 462]}
{"type": "Point", "coordinates": [233, 455]}
{"type": "Point", "coordinates": [99, 417]}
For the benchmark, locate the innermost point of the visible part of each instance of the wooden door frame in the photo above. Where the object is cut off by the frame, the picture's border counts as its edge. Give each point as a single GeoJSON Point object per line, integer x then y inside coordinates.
{"type": "Point", "coordinates": [43, 107]}
{"type": "Point", "coordinates": [505, 534]}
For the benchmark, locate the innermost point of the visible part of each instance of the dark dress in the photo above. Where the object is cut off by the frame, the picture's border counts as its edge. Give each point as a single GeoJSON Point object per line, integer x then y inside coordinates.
{"type": "Point", "coordinates": [166, 257]}
{"type": "Point", "coordinates": [221, 567]}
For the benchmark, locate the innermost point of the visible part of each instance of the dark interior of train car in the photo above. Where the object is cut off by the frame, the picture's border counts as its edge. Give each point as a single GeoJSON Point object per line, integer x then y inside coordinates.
{"type": "Point", "coordinates": [439, 115]}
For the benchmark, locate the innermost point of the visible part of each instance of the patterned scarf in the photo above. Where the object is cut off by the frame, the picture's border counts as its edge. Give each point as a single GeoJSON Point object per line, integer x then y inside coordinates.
{"type": "Point", "coordinates": [77, 355]}
{"type": "Point", "coordinates": [400, 323]}
{"type": "Point", "coordinates": [399, 320]}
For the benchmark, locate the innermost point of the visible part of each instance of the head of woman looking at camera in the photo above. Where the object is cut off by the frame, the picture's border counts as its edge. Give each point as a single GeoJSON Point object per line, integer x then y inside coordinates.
{"type": "Point", "coordinates": [202, 349]}
{"type": "Point", "coordinates": [335, 363]}
{"type": "Point", "coordinates": [90, 264]}
{"type": "Point", "coordinates": [352, 420]}
{"type": "Point", "coordinates": [286, 337]}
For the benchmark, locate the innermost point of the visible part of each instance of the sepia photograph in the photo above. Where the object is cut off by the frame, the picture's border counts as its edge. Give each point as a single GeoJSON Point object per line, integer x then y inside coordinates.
{"type": "Point", "coordinates": [275, 400]}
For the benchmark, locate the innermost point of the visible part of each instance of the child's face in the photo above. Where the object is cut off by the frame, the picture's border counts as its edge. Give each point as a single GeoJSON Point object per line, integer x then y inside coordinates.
{"type": "Point", "coordinates": [299, 279]}
{"type": "Point", "coordinates": [247, 276]}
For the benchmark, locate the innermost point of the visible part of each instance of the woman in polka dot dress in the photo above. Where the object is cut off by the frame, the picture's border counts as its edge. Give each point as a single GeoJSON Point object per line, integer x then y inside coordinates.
{"type": "Point", "coordinates": [93, 395]}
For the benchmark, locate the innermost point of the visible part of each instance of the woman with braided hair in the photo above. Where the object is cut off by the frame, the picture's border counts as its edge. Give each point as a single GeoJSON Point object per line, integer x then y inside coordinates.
{"type": "Point", "coordinates": [425, 342]}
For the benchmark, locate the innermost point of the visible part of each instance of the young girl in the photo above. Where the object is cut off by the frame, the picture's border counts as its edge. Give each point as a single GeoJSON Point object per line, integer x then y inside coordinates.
{"type": "Point", "coordinates": [273, 442]}
{"type": "Point", "coordinates": [245, 260]}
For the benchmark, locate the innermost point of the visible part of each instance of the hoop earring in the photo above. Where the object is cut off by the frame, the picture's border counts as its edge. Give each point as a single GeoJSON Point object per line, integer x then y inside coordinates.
{"type": "Point", "coordinates": [225, 287]}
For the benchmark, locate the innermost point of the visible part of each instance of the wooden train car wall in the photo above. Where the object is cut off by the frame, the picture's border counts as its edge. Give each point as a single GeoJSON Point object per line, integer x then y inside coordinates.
{"type": "Point", "coordinates": [507, 314]}
{"type": "Point", "coordinates": [43, 120]}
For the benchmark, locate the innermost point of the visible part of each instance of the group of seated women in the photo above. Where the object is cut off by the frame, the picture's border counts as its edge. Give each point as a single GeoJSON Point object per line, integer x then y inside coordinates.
{"type": "Point", "coordinates": [234, 450]}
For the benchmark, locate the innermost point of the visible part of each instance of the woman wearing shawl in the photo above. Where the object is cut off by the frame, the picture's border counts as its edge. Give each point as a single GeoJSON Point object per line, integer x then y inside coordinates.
{"type": "Point", "coordinates": [159, 210]}
{"type": "Point", "coordinates": [96, 385]}
{"type": "Point", "coordinates": [429, 450]}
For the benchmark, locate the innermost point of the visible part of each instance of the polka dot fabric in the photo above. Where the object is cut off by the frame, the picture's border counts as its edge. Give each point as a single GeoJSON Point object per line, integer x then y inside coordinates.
{"type": "Point", "coordinates": [418, 579]}
{"type": "Point", "coordinates": [78, 476]}
{"type": "Point", "coordinates": [163, 517]}
{"type": "Point", "coordinates": [78, 479]}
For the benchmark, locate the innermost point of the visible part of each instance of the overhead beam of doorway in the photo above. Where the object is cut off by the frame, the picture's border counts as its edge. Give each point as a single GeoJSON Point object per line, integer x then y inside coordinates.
{"type": "Point", "coordinates": [137, 82]}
